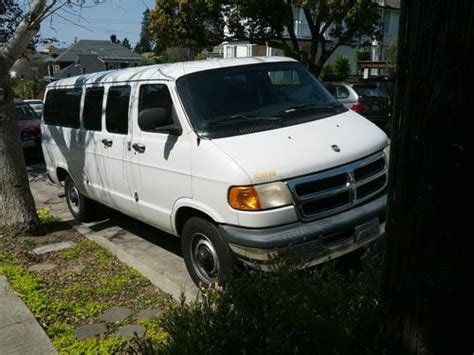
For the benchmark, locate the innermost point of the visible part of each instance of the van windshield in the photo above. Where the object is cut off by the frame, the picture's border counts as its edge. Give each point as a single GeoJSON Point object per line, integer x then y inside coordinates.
{"type": "Point", "coordinates": [246, 99]}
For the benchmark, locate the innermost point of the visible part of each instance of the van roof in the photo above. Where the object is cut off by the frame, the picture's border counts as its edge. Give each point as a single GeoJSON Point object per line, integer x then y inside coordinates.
{"type": "Point", "coordinates": [169, 72]}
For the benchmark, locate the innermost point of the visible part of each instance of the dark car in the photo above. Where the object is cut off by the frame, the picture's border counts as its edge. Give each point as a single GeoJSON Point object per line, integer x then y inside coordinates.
{"type": "Point", "coordinates": [30, 125]}
{"type": "Point", "coordinates": [366, 99]}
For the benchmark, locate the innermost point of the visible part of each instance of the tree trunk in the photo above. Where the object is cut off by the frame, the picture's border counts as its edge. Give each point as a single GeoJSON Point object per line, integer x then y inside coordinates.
{"type": "Point", "coordinates": [17, 208]}
{"type": "Point", "coordinates": [429, 250]}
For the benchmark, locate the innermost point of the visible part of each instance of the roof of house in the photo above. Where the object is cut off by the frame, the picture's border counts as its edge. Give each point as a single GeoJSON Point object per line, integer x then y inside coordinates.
{"type": "Point", "coordinates": [104, 49]}
{"type": "Point", "coordinates": [85, 63]}
{"type": "Point", "coordinates": [167, 72]}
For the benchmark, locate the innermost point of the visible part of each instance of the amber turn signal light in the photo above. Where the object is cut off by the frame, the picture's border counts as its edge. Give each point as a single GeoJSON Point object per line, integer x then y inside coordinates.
{"type": "Point", "coordinates": [244, 198]}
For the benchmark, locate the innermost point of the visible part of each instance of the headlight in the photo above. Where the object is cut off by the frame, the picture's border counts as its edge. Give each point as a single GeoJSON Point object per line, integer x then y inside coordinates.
{"type": "Point", "coordinates": [260, 197]}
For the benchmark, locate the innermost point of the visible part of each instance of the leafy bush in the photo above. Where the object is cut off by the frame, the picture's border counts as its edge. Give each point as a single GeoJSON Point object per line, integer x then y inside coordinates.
{"type": "Point", "coordinates": [337, 71]}
{"type": "Point", "coordinates": [364, 54]}
{"type": "Point", "coordinates": [328, 73]}
{"type": "Point", "coordinates": [342, 68]}
{"type": "Point", "coordinates": [283, 312]}
{"type": "Point", "coordinates": [45, 216]}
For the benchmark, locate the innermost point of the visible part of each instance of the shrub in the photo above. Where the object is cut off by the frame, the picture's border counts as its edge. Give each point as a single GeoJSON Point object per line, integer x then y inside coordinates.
{"type": "Point", "coordinates": [45, 217]}
{"type": "Point", "coordinates": [364, 54]}
{"type": "Point", "coordinates": [328, 73]}
{"type": "Point", "coordinates": [281, 312]}
{"type": "Point", "coordinates": [342, 68]}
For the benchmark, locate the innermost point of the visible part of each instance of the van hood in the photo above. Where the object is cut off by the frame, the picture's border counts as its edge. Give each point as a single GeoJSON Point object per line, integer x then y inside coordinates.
{"type": "Point", "coordinates": [304, 148]}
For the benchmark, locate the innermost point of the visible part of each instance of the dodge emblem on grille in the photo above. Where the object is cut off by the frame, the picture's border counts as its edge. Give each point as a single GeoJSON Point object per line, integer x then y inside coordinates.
{"type": "Point", "coordinates": [336, 148]}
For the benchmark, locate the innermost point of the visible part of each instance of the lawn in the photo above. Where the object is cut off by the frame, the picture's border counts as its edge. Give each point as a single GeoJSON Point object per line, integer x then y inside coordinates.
{"type": "Point", "coordinates": [70, 288]}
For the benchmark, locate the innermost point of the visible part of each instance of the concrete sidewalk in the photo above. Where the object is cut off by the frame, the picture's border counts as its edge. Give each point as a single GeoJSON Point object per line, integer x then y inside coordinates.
{"type": "Point", "coordinates": [20, 333]}
{"type": "Point", "coordinates": [155, 254]}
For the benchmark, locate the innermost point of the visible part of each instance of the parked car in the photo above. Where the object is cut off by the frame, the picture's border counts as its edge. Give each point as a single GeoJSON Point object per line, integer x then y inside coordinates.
{"type": "Point", "coordinates": [244, 159]}
{"type": "Point", "coordinates": [366, 99]}
{"type": "Point", "coordinates": [29, 123]}
{"type": "Point", "coordinates": [37, 105]}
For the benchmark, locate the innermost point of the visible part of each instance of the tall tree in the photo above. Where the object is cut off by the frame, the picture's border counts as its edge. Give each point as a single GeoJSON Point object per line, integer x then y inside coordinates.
{"type": "Point", "coordinates": [10, 16]}
{"type": "Point", "coordinates": [145, 43]}
{"type": "Point", "coordinates": [200, 24]}
{"type": "Point", "coordinates": [331, 24]}
{"type": "Point", "coordinates": [126, 43]}
{"type": "Point", "coordinates": [428, 264]}
{"type": "Point", "coordinates": [17, 209]}
{"type": "Point", "coordinates": [196, 25]}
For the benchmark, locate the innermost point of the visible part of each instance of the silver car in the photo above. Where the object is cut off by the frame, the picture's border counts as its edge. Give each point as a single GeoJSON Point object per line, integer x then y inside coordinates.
{"type": "Point", "coordinates": [37, 105]}
{"type": "Point", "coordinates": [364, 98]}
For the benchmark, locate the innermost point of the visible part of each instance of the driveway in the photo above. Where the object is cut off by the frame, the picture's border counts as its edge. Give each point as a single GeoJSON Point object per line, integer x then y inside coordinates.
{"type": "Point", "coordinates": [157, 255]}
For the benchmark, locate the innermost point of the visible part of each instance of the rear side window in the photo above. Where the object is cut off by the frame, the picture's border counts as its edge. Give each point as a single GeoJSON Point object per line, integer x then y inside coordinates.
{"type": "Point", "coordinates": [342, 92]}
{"type": "Point", "coordinates": [368, 91]}
{"type": "Point", "coordinates": [62, 107]}
{"type": "Point", "coordinates": [92, 115]}
{"type": "Point", "coordinates": [116, 113]}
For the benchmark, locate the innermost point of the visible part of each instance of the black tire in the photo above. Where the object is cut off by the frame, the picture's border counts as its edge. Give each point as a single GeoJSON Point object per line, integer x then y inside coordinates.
{"type": "Point", "coordinates": [81, 208]}
{"type": "Point", "coordinates": [207, 256]}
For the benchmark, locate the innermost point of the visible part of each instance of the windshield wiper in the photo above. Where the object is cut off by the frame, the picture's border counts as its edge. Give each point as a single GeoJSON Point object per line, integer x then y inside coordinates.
{"type": "Point", "coordinates": [240, 118]}
{"type": "Point", "coordinates": [310, 106]}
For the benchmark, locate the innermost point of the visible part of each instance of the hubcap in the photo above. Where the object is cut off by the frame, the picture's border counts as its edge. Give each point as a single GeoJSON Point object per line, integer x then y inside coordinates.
{"type": "Point", "coordinates": [73, 197]}
{"type": "Point", "coordinates": [204, 258]}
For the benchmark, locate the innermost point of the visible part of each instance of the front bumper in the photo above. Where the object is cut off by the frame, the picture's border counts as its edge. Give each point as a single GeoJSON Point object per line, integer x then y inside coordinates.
{"type": "Point", "coordinates": [314, 242]}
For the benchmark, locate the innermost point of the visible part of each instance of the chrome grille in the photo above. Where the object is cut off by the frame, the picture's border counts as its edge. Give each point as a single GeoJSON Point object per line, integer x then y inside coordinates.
{"type": "Point", "coordinates": [335, 190]}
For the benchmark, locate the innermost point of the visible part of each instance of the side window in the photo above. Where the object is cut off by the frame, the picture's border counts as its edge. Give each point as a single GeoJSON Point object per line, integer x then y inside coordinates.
{"type": "Point", "coordinates": [156, 96]}
{"type": "Point", "coordinates": [92, 114]}
{"type": "Point", "coordinates": [342, 92]}
{"type": "Point", "coordinates": [116, 112]}
{"type": "Point", "coordinates": [62, 107]}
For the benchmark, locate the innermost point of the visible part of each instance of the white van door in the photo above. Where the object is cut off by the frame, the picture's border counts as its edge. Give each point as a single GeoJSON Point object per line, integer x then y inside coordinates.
{"type": "Point", "coordinates": [93, 107]}
{"type": "Point", "coordinates": [113, 147]}
{"type": "Point", "coordinates": [161, 161]}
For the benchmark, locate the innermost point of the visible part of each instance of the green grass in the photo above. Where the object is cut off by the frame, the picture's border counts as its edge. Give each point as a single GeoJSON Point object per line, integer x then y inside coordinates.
{"type": "Point", "coordinates": [64, 299]}
{"type": "Point", "coordinates": [45, 216]}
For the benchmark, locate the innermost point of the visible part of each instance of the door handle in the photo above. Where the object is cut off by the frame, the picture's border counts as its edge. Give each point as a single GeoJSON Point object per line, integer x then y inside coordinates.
{"type": "Point", "coordinates": [140, 148]}
{"type": "Point", "coordinates": [107, 143]}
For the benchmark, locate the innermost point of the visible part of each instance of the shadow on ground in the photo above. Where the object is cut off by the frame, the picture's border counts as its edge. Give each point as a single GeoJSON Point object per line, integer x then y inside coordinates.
{"type": "Point", "coordinates": [37, 171]}
{"type": "Point", "coordinates": [142, 230]}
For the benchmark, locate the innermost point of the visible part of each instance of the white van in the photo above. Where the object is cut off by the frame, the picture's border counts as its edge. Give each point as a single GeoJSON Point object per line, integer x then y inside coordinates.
{"type": "Point", "coordinates": [243, 159]}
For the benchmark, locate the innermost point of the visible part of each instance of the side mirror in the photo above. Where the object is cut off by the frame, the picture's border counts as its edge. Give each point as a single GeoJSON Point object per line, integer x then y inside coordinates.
{"type": "Point", "coordinates": [157, 120]}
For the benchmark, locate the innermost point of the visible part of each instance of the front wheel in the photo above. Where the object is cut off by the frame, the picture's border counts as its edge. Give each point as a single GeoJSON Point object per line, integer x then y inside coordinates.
{"type": "Point", "coordinates": [208, 258]}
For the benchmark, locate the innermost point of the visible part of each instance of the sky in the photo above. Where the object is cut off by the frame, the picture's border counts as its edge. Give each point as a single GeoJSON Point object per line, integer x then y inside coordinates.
{"type": "Point", "coordinates": [120, 17]}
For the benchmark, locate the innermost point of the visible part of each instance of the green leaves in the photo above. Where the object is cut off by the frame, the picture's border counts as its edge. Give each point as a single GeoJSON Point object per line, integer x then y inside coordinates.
{"type": "Point", "coordinates": [282, 312]}
{"type": "Point", "coordinates": [197, 24]}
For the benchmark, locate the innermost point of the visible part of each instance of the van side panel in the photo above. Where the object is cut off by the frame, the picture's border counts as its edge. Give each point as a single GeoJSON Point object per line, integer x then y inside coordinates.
{"type": "Point", "coordinates": [63, 147]}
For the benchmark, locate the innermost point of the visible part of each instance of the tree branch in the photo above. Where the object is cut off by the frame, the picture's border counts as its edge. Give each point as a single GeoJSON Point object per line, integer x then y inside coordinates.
{"type": "Point", "coordinates": [25, 32]}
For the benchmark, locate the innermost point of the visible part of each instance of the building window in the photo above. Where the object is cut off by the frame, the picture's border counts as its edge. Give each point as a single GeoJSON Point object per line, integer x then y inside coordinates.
{"type": "Point", "coordinates": [230, 51]}
{"type": "Point", "coordinates": [386, 22]}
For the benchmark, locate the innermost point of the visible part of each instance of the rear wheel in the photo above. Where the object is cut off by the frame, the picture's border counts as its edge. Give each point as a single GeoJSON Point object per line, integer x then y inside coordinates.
{"type": "Point", "coordinates": [82, 208]}
{"type": "Point", "coordinates": [208, 258]}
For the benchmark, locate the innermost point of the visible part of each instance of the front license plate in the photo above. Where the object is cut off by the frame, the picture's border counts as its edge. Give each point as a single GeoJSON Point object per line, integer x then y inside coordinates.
{"type": "Point", "coordinates": [368, 230]}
